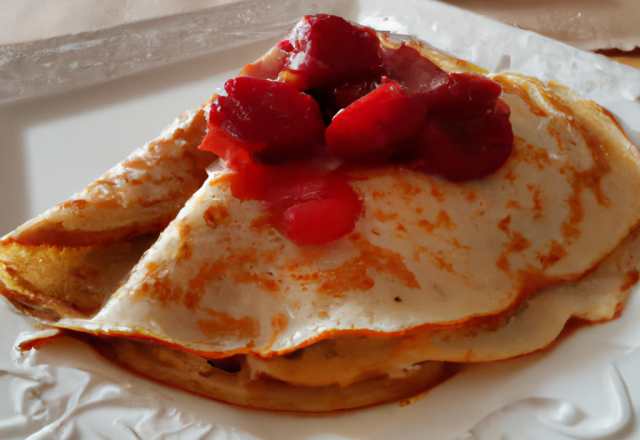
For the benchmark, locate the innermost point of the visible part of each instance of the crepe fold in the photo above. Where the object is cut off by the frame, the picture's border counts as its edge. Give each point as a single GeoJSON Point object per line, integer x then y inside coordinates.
{"type": "Point", "coordinates": [435, 273]}
{"type": "Point", "coordinates": [69, 260]}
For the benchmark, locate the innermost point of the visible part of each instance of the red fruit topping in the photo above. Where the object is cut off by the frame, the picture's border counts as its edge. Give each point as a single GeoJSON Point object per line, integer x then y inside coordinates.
{"type": "Point", "coordinates": [462, 96]}
{"type": "Point", "coordinates": [413, 71]}
{"type": "Point", "coordinates": [381, 119]}
{"type": "Point", "coordinates": [319, 221]}
{"type": "Point", "coordinates": [308, 205]}
{"type": "Point", "coordinates": [333, 99]}
{"type": "Point", "coordinates": [466, 150]}
{"type": "Point", "coordinates": [225, 145]}
{"type": "Point", "coordinates": [326, 50]}
{"type": "Point", "coordinates": [382, 105]}
{"type": "Point", "coordinates": [264, 116]}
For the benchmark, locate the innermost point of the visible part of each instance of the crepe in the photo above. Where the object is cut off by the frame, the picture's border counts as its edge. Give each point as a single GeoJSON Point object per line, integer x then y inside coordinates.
{"type": "Point", "coordinates": [86, 245]}
{"type": "Point", "coordinates": [433, 271]}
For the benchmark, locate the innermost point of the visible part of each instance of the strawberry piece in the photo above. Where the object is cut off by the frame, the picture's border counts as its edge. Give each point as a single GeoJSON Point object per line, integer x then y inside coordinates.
{"type": "Point", "coordinates": [335, 98]}
{"type": "Point", "coordinates": [374, 123]}
{"type": "Point", "coordinates": [466, 150]}
{"type": "Point", "coordinates": [273, 119]}
{"type": "Point", "coordinates": [326, 50]}
{"type": "Point", "coordinates": [462, 96]}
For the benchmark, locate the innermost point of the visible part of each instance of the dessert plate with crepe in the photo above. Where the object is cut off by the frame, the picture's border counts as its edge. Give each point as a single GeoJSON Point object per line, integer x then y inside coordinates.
{"type": "Point", "coordinates": [235, 299]}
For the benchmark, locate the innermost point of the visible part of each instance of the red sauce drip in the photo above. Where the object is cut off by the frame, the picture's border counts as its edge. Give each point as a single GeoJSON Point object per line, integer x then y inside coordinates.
{"type": "Point", "coordinates": [381, 105]}
{"type": "Point", "coordinates": [309, 204]}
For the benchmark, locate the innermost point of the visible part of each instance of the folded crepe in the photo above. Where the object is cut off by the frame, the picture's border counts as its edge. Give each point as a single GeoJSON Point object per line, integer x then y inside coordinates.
{"type": "Point", "coordinates": [434, 272]}
{"type": "Point", "coordinates": [84, 246]}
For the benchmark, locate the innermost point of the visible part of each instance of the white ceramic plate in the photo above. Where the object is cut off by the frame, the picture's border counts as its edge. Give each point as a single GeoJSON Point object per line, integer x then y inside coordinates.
{"type": "Point", "coordinates": [586, 387]}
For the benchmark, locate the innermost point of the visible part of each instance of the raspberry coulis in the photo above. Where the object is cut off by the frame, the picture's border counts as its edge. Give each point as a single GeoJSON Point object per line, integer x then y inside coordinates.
{"type": "Point", "coordinates": [336, 96]}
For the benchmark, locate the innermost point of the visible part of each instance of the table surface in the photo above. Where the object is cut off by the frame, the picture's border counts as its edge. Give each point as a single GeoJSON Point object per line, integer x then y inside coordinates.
{"type": "Point", "coordinates": [585, 24]}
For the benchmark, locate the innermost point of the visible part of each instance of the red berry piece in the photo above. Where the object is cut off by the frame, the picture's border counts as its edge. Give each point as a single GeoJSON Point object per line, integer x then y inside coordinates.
{"type": "Point", "coordinates": [374, 123]}
{"type": "Point", "coordinates": [466, 150]}
{"type": "Point", "coordinates": [268, 66]}
{"type": "Point", "coordinates": [272, 118]}
{"type": "Point", "coordinates": [327, 50]}
{"type": "Point", "coordinates": [462, 96]}
{"type": "Point", "coordinates": [335, 98]}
